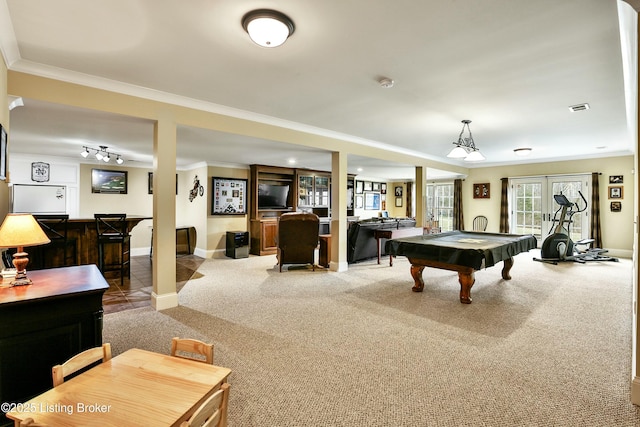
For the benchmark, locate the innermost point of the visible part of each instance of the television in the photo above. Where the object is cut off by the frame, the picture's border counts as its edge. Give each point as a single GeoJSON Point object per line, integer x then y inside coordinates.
{"type": "Point", "coordinates": [272, 196]}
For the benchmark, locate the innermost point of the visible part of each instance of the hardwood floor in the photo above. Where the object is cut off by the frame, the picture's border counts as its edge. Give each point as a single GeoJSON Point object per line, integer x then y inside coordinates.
{"type": "Point", "coordinates": [136, 292]}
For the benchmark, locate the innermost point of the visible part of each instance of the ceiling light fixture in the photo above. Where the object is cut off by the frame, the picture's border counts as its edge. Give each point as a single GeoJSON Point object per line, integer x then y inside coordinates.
{"type": "Point", "coordinates": [268, 28]}
{"type": "Point", "coordinates": [101, 154]}
{"type": "Point", "coordinates": [386, 82]}
{"type": "Point", "coordinates": [522, 152]}
{"type": "Point", "coordinates": [465, 148]}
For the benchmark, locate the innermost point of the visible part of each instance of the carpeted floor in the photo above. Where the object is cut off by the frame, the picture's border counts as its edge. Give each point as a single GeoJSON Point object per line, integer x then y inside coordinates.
{"type": "Point", "coordinates": [551, 347]}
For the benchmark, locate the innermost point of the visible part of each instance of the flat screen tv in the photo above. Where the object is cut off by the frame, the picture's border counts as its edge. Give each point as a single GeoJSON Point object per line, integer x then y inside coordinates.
{"type": "Point", "coordinates": [272, 196]}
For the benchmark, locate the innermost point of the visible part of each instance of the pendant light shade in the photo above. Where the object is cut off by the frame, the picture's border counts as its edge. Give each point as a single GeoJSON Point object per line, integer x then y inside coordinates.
{"type": "Point", "coordinates": [465, 147]}
{"type": "Point", "coordinates": [268, 28]}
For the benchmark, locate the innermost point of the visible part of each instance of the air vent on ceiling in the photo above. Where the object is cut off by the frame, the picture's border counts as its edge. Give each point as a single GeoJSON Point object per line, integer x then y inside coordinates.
{"type": "Point", "coordinates": [579, 107]}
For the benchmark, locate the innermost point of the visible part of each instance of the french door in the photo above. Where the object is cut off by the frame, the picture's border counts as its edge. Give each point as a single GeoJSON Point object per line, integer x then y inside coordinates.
{"type": "Point", "coordinates": [533, 208]}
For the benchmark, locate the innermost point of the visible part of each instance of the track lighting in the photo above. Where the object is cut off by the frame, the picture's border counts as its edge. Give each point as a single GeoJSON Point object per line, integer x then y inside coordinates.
{"type": "Point", "coordinates": [102, 154]}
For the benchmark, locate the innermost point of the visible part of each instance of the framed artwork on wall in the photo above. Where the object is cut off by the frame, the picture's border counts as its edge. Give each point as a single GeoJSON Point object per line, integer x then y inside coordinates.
{"type": "Point", "coordinates": [359, 187]}
{"type": "Point", "coordinates": [616, 206]}
{"type": "Point", "coordinates": [398, 202]}
{"type": "Point", "coordinates": [229, 196]}
{"type": "Point", "coordinates": [615, 192]}
{"type": "Point", "coordinates": [398, 191]}
{"type": "Point", "coordinates": [108, 181]}
{"type": "Point", "coordinates": [359, 202]}
{"type": "Point", "coordinates": [481, 191]}
{"type": "Point", "coordinates": [372, 201]}
{"type": "Point", "coordinates": [368, 186]}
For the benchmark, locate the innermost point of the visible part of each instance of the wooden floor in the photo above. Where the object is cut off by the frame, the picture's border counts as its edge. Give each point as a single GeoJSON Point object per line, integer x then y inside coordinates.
{"type": "Point", "coordinates": [136, 292]}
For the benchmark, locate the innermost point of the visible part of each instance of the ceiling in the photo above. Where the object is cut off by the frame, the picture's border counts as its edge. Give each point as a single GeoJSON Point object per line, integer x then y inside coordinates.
{"type": "Point", "coordinates": [513, 67]}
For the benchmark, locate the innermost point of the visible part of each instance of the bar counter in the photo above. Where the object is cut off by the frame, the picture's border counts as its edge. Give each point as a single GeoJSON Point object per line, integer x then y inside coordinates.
{"type": "Point", "coordinates": [83, 232]}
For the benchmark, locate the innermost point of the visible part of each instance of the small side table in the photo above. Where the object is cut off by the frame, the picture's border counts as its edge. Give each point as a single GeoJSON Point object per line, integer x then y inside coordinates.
{"type": "Point", "coordinates": [324, 250]}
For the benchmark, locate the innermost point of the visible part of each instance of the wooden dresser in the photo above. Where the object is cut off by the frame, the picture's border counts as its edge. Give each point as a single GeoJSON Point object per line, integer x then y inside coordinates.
{"type": "Point", "coordinates": [44, 324]}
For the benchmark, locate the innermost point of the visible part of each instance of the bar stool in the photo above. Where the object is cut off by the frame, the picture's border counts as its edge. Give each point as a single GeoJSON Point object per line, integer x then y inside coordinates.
{"type": "Point", "coordinates": [112, 230]}
{"type": "Point", "coordinates": [55, 227]}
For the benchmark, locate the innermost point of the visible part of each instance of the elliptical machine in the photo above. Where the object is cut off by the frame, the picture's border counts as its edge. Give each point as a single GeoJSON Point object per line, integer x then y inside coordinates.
{"type": "Point", "coordinates": [558, 246]}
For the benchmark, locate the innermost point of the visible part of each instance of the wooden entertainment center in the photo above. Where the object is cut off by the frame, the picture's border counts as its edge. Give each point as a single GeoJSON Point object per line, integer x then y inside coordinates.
{"type": "Point", "coordinates": [276, 190]}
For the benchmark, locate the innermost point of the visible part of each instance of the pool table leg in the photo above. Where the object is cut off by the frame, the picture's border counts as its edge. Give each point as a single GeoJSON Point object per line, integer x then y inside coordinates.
{"type": "Point", "coordinates": [508, 263]}
{"type": "Point", "coordinates": [466, 279]}
{"type": "Point", "coordinates": [416, 273]}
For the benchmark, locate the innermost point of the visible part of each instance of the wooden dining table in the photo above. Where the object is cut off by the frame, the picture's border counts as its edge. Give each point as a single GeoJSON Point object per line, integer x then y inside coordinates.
{"type": "Point", "coordinates": [135, 388]}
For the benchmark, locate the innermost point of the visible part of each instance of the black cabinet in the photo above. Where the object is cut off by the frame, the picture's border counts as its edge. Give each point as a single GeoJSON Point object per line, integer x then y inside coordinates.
{"type": "Point", "coordinates": [46, 323]}
{"type": "Point", "coordinates": [237, 244]}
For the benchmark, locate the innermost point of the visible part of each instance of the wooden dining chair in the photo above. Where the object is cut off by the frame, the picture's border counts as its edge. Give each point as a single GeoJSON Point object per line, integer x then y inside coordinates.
{"type": "Point", "coordinates": [188, 348]}
{"type": "Point", "coordinates": [80, 361]}
{"type": "Point", "coordinates": [29, 422]}
{"type": "Point", "coordinates": [212, 412]}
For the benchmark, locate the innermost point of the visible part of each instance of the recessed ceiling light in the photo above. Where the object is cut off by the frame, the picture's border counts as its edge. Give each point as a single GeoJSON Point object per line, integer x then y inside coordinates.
{"type": "Point", "coordinates": [292, 161]}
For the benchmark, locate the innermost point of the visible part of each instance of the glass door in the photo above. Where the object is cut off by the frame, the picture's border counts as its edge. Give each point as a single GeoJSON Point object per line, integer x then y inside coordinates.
{"type": "Point", "coordinates": [533, 207]}
{"type": "Point", "coordinates": [305, 191]}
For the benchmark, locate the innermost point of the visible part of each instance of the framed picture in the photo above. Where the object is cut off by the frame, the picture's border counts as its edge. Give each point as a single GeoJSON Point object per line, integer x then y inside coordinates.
{"type": "Point", "coordinates": [40, 171]}
{"type": "Point", "coordinates": [616, 179]}
{"type": "Point", "coordinates": [368, 186]}
{"type": "Point", "coordinates": [398, 202]}
{"type": "Point", "coordinates": [375, 186]}
{"type": "Point", "coordinates": [398, 191]}
{"type": "Point", "coordinates": [108, 181]}
{"type": "Point", "coordinates": [3, 153]}
{"type": "Point", "coordinates": [229, 196]}
{"type": "Point", "coordinates": [383, 188]}
{"type": "Point", "coordinates": [615, 192]}
{"type": "Point", "coordinates": [616, 206]}
{"type": "Point", "coordinates": [150, 184]}
{"type": "Point", "coordinates": [359, 202]}
{"type": "Point", "coordinates": [372, 201]}
{"type": "Point", "coordinates": [359, 187]}
{"type": "Point", "coordinates": [481, 191]}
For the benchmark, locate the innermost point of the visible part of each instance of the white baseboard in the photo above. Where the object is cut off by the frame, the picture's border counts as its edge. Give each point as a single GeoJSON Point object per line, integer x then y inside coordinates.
{"type": "Point", "coordinates": [164, 301]}
{"type": "Point", "coordinates": [338, 266]}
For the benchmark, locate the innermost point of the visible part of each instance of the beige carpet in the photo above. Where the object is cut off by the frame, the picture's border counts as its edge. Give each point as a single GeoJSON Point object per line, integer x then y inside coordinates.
{"type": "Point", "coordinates": [551, 347]}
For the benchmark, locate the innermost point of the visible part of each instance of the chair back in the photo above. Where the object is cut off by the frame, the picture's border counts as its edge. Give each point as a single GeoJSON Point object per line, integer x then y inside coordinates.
{"type": "Point", "coordinates": [54, 226]}
{"type": "Point", "coordinates": [212, 412]}
{"type": "Point", "coordinates": [298, 229]}
{"type": "Point", "coordinates": [188, 348]}
{"type": "Point", "coordinates": [80, 361]}
{"type": "Point", "coordinates": [29, 422]}
{"type": "Point", "coordinates": [480, 223]}
{"type": "Point", "coordinates": [111, 225]}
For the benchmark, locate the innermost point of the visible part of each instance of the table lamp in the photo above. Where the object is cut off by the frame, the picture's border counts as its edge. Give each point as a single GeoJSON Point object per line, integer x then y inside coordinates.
{"type": "Point", "coordinates": [17, 231]}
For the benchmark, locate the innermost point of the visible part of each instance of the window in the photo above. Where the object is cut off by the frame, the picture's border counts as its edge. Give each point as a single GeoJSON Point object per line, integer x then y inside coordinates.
{"type": "Point", "coordinates": [440, 205]}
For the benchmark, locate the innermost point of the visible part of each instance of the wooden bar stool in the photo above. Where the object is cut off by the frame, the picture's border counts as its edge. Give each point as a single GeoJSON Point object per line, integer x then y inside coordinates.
{"type": "Point", "coordinates": [112, 230]}
{"type": "Point", "coordinates": [55, 227]}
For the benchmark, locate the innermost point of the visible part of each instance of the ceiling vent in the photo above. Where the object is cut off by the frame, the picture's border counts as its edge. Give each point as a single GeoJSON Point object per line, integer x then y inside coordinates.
{"type": "Point", "coordinates": [579, 107]}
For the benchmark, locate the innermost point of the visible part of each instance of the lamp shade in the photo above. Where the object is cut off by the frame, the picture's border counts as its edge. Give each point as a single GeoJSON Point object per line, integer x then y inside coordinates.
{"type": "Point", "coordinates": [21, 229]}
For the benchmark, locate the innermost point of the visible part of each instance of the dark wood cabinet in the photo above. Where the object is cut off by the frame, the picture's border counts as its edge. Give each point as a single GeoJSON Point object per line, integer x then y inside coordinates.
{"type": "Point", "coordinates": [46, 323]}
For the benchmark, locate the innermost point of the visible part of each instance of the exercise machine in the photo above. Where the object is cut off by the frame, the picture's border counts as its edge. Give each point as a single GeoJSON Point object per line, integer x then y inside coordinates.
{"type": "Point", "coordinates": [558, 246]}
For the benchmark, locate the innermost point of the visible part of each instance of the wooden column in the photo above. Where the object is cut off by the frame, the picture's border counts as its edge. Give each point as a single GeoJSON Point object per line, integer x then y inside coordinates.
{"type": "Point", "coordinates": [164, 214]}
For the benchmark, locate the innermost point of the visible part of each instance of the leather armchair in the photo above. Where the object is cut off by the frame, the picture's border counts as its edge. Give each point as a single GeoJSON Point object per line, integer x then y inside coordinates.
{"type": "Point", "coordinates": [297, 238]}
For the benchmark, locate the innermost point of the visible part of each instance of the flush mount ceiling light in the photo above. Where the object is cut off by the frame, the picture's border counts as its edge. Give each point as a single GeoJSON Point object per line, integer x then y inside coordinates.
{"type": "Point", "coordinates": [465, 148]}
{"type": "Point", "coordinates": [522, 152]}
{"type": "Point", "coordinates": [386, 82]}
{"type": "Point", "coordinates": [268, 28]}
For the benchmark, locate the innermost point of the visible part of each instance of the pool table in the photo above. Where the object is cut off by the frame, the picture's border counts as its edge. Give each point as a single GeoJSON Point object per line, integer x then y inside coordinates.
{"type": "Point", "coordinates": [461, 251]}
